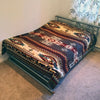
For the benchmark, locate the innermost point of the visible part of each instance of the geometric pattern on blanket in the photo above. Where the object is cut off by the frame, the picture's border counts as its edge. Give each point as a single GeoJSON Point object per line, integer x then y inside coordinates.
{"type": "Point", "coordinates": [55, 45]}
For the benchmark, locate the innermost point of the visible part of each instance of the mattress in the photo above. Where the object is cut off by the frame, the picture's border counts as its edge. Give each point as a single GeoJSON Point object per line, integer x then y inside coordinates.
{"type": "Point", "coordinates": [56, 47]}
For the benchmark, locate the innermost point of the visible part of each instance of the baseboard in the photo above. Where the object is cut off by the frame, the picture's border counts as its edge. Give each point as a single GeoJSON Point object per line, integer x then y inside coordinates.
{"type": "Point", "coordinates": [3, 58]}
{"type": "Point", "coordinates": [97, 47]}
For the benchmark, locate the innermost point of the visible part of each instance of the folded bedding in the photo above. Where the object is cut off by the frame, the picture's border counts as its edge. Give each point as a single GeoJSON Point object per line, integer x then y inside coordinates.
{"type": "Point", "coordinates": [56, 47]}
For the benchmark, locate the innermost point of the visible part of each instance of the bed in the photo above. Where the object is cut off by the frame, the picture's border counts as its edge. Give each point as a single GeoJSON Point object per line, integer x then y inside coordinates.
{"type": "Point", "coordinates": [50, 52]}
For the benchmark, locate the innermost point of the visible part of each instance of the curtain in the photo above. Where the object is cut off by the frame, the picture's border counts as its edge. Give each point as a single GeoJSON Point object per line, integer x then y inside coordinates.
{"type": "Point", "coordinates": [86, 10]}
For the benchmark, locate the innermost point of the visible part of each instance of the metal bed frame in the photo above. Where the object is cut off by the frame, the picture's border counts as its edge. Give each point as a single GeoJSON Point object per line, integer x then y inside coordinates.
{"type": "Point", "coordinates": [84, 26]}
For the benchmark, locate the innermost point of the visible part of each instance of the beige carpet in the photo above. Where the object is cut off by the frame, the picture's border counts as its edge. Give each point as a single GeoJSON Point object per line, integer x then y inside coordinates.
{"type": "Point", "coordinates": [82, 83]}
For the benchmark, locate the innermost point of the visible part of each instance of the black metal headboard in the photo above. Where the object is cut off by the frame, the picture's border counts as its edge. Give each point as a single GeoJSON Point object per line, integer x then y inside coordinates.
{"type": "Point", "coordinates": [93, 29]}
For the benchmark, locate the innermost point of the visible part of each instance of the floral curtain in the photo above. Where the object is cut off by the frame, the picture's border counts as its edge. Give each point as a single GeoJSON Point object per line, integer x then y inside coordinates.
{"type": "Point", "coordinates": [87, 10]}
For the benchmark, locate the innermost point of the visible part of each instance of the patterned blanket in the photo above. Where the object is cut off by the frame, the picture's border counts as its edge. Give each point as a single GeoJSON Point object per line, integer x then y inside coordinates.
{"type": "Point", "coordinates": [56, 45]}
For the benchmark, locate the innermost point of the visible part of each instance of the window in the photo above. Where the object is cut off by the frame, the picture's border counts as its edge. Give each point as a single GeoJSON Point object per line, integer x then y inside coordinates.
{"type": "Point", "coordinates": [86, 10]}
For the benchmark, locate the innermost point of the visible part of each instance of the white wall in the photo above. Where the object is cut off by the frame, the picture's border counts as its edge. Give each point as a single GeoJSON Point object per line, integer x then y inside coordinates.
{"type": "Point", "coordinates": [50, 8]}
{"type": "Point", "coordinates": [66, 6]}
{"type": "Point", "coordinates": [21, 16]}
{"type": "Point", "coordinates": [18, 16]}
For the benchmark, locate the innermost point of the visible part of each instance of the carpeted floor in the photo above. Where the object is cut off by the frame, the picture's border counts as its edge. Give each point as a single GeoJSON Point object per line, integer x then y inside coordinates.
{"type": "Point", "coordinates": [82, 83]}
